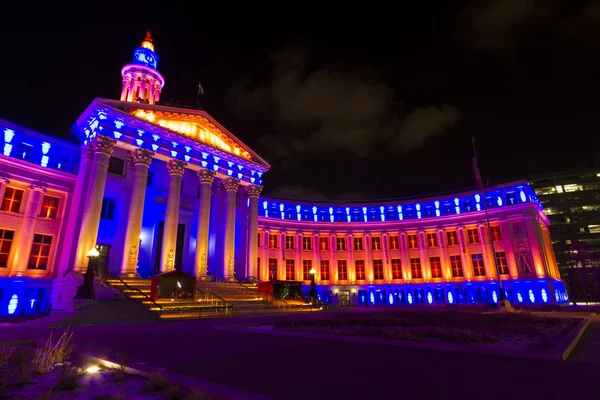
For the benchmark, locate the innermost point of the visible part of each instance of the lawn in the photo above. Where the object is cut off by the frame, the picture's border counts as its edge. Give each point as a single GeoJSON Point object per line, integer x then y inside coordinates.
{"type": "Point", "coordinates": [452, 326]}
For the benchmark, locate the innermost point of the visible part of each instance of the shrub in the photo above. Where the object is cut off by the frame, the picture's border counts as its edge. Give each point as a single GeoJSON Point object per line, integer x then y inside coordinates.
{"type": "Point", "coordinates": [68, 377]}
{"type": "Point", "coordinates": [50, 354]}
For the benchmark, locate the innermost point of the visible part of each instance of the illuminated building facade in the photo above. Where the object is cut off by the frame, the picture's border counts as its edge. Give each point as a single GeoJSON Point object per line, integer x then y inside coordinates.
{"type": "Point", "coordinates": [156, 188]}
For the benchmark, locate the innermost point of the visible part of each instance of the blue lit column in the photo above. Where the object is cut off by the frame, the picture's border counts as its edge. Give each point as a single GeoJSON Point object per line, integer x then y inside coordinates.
{"type": "Point", "coordinates": [169, 244]}
{"type": "Point", "coordinates": [141, 159]}
{"type": "Point", "coordinates": [102, 148]}
{"type": "Point", "coordinates": [206, 178]}
{"type": "Point", "coordinates": [24, 236]}
{"type": "Point", "coordinates": [231, 186]}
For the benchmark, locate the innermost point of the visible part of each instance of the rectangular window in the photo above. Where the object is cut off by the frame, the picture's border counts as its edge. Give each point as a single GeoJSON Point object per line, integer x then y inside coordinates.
{"type": "Point", "coordinates": [116, 165]}
{"type": "Point", "coordinates": [502, 262]}
{"type": "Point", "coordinates": [306, 267]}
{"type": "Point", "coordinates": [340, 243]}
{"type": "Point", "coordinates": [272, 241]}
{"type": "Point", "coordinates": [324, 243]}
{"type": "Point", "coordinates": [478, 267]}
{"type": "Point", "coordinates": [49, 207]}
{"type": "Point", "coordinates": [496, 234]}
{"type": "Point", "coordinates": [472, 236]}
{"type": "Point", "coordinates": [149, 182]}
{"type": "Point", "coordinates": [378, 269]}
{"type": "Point", "coordinates": [258, 239]}
{"type": "Point", "coordinates": [394, 243]}
{"type": "Point", "coordinates": [375, 243]}
{"type": "Point", "coordinates": [289, 270]}
{"type": "Point", "coordinates": [415, 268]}
{"type": "Point", "coordinates": [359, 265]}
{"type": "Point", "coordinates": [40, 251]}
{"type": "Point", "coordinates": [342, 270]}
{"type": "Point", "coordinates": [272, 268]}
{"type": "Point", "coordinates": [108, 208]}
{"type": "Point", "coordinates": [413, 242]}
{"type": "Point", "coordinates": [452, 238]}
{"type": "Point", "coordinates": [258, 267]}
{"type": "Point", "coordinates": [436, 267]}
{"type": "Point", "coordinates": [12, 200]}
{"type": "Point", "coordinates": [306, 243]}
{"type": "Point", "coordinates": [289, 242]}
{"type": "Point", "coordinates": [358, 243]}
{"type": "Point", "coordinates": [324, 270]}
{"type": "Point", "coordinates": [456, 266]}
{"type": "Point", "coordinates": [432, 240]}
{"type": "Point", "coordinates": [396, 268]}
{"type": "Point", "coordinates": [6, 239]}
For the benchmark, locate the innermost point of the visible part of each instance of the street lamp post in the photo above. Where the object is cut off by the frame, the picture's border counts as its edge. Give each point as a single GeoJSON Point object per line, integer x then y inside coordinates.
{"type": "Point", "coordinates": [312, 293]}
{"type": "Point", "coordinates": [86, 291]}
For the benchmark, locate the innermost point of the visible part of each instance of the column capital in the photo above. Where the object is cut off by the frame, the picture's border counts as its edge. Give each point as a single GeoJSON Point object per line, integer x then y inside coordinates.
{"type": "Point", "coordinates": [142, 157]}
{"type": "Point", "coordinates": [206, 175]}
{"type": "Point", "coordinates": [176, 167]}
{"type": "Point", "coordinates": [254, 190]}
{"type": "Point", "coordinates": [102, 144]}
{"type": "Point", "coordinates": [38, 187]}
{"type": "Point", "coordinates": [4, 179]}
{"type": "Point", "coordinates": [87, 151]}
{"type": "Point", "coordinates": [231, 184]}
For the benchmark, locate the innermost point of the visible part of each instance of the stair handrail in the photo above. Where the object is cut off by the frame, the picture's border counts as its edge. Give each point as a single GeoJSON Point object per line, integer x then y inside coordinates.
{"type": "Point", "coordinates": [227, 304]}
{"type": "Point", "coordinates": [135, 289]}
{"type": "Point", "coordinates": [244, 289]}
{"type": "Point", "coordinates": [285, 305]}
{"type": "Point", "coordinates": [254, 279]}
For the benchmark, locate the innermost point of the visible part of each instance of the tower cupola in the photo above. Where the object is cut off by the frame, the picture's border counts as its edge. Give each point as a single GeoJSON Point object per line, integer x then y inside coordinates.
{"type": "Point", "coordinates": [141, 80]}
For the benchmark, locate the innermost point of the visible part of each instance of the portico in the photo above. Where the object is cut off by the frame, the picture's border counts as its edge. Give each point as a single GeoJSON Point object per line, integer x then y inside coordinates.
{"type": "Point", "coordinates": [227, 174]}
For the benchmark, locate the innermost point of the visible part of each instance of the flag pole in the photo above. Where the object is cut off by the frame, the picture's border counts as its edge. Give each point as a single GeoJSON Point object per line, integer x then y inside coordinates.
{"type": "Point", "coordinates": [504, 301]}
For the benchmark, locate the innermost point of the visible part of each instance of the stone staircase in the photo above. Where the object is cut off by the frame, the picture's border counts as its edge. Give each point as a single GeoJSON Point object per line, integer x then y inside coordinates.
{"type": "Point", "coordinates": [213, 300]}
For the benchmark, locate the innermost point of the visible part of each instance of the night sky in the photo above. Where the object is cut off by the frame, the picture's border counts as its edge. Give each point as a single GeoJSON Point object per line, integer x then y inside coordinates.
{"type": "Point", "coordinates": [348, 102]}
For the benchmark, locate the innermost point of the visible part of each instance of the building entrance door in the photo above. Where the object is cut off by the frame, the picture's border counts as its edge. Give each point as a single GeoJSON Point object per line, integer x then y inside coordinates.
{"type": "Point", "coordinates": [178, 248]}
{"type": "Point", "coordinates": [344, 296]}
{"type": "Point", "coordinates": [102, 266]}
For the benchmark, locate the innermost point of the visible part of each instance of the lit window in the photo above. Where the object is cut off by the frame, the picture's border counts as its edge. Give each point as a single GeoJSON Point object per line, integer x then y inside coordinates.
{"type": "Point", "coordinates": [375, 243]}
{"type": "Point", "coordinates": [12, 200]}
{"type": "Point", "coordinates": [289, 242]}
{"type": "Point", "coordinates": [559, 189]}
{"type": "Point", "coordinates": [6, 239]}
{"type": "Point", "coordinates": [396, 268]}
{"type": "Point", "coordinates": [432, 240]}
{"type": "Point", "coordinates": [358, 243]}
{"type": "Point", "coordinates": [272, 268]}
{"type": "Point", "coordinates": [306, 243]}
{"type": "Point", "coordinates": [342, 270]}
{"type": "Point", "coordinates": [306, 267]}
{"type": "Point", "coordinates": [324, 243]}
{"type": "Point", "coordinates": [573, 188]}
{"type": "Point", "coordinates": [502, 262]}
{"type": "Point", "coordinates": [40, 251]}
{"type": "Point", "coordinates": [413, 243]}
{"type": "Point", "coordinates": [436, 267]}
{"type": "Point", "coordinates": [272, 241]}
{"type": "Point", "coordinates": [415, 268]}
{"type": "Point", "coordinates": [594, 228]}
{"type": "Point", "coordinates": [324, 270]}
{"type": "Point", "coordinates": [394, 244]}
{"type": "Point", "coordinates": [341, 243]}
{"type": "Point", "coordinates": [116, 165]}
{"type": "Point", "coordinates": [478, 266]}
{"type": "Point", "coordinates": [108, 209]}
{"type": "Point", "coordinates": [289, 270]}
{"type": "Point", "coordinates": [472, 236]}
{"type": "Point", "coordinates": [456, 266]}
{"type": "Point", "coordinates": [378, 269]}
{"type": "Point", "coordinates": [360, 270]}
{"type": "Point", "coordinates": [496, 234]}
{"type": "Point", "coordinates": [452, 238]}
{"type": "Point", "coordinates": [49, 207]}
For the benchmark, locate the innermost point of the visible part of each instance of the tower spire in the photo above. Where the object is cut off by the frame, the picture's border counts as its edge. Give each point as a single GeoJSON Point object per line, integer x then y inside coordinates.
{"type": "Point", "coordinates": [141, 80]}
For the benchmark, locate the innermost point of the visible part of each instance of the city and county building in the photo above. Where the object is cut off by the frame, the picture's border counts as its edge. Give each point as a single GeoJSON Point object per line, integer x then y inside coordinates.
{"type": "Point", "coordinates": [155, 188]}
{"type": "Point", "coordinates": [571, 200]}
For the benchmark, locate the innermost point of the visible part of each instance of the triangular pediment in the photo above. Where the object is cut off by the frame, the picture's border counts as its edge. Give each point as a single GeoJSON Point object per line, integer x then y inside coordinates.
{"type": "Point", "coordinates": [196, 125]}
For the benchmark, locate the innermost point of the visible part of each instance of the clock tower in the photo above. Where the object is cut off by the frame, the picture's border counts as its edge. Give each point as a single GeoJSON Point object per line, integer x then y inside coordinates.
{"type": "Point", "coordinates": [141, 80]}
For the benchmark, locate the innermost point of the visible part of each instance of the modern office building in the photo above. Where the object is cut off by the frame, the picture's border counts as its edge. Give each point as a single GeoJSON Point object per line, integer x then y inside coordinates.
{"type": "Point", "coordinates": [571, 200]}
{"type": "Point", "coordinates": [155, 188]}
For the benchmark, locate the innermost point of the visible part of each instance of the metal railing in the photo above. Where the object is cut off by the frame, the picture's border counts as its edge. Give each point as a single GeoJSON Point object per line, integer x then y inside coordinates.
{"type": "Point", "coordinates": [281, 304]}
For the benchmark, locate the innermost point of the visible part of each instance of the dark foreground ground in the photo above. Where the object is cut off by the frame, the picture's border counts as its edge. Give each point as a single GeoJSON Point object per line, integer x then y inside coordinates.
{"type": "Point", "coordinates": [298, 368]}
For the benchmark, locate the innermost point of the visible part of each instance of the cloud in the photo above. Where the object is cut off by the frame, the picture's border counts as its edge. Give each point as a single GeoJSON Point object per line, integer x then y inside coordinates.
{"type": "Point", "coordinates": [333, 108]}
{"type": "Point", "coordinates": [498, 25]}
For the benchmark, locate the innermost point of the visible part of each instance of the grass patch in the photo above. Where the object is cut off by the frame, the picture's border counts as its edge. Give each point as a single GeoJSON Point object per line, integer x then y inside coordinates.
{"type": "Point", "coordinates": [453, 326]}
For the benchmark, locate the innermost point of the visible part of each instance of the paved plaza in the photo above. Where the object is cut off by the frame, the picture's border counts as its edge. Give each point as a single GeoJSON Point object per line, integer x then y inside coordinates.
{"type": "Point", "coordinates": [284, 367]}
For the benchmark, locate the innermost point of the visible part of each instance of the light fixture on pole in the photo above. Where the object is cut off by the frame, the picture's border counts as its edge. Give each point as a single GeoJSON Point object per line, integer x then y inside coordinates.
{"type": "Point", "coordinates": [312, 293]}
{"type": "Point", "coordinates": [86, 291]}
